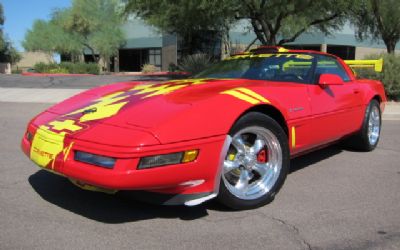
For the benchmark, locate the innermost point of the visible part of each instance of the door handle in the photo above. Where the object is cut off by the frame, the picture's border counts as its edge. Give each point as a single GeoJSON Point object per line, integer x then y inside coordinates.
{"type": "Point", "coordinates": [356, 91]}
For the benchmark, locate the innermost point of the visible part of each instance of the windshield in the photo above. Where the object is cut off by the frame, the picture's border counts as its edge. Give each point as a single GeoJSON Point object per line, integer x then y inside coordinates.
{"type": "Point", "coordinates": [273, 67]}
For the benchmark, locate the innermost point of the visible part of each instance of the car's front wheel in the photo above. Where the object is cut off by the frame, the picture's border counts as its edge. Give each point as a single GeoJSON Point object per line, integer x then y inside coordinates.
{"type": "Point", "coordinates": [368, 137]}
{"type": "Point", "coordinates": [256, 164]}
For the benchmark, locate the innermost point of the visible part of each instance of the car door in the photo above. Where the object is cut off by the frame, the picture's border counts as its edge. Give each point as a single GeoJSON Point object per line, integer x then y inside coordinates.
{"type": "Point", "coordinates": [336, 109]}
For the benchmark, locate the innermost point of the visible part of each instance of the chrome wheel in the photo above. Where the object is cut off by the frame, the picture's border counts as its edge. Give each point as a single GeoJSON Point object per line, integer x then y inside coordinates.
{"type": "Point", "coordinates": [253, 164]}
{"type": "Point", "coordinates": [374, 125]}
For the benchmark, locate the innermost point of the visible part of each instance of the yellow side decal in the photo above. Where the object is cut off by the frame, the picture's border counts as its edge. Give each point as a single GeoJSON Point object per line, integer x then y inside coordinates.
{"type": "Point", "coordinates": [241, 96]}
{"type": "Point", "coordinates": [293, 137]}
{"type": "Point", "coordinates": [246, 95]}
{"type": "Point", "coordinates": [253, 94]}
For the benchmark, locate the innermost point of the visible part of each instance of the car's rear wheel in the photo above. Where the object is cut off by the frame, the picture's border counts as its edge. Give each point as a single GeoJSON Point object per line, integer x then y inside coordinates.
{"type": "Point", "coordinates": [256, 164]}
{"type": "Point", "coordinates": [368, 137]}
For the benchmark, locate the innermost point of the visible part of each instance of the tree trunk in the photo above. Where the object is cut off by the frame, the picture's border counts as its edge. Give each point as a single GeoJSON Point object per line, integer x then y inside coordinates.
{"type": "Point", "coordinates": [225, 43]}
{"type": "Point", "coordinates": [390, 46]}
{"type": "Point", "coordinates": [272, 40]}
{"type": "Point", "coordinates": [107, 64]}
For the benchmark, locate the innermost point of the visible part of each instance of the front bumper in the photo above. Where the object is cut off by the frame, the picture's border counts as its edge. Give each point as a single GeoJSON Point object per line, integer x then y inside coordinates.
{"type": "Point", "coordinates": [198, 177]}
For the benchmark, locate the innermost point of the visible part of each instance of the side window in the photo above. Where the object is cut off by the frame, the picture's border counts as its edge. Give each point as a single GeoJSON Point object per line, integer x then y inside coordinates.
{"type": "Point", "coordinates": [329, 65]}
{"type": "Point", "coordinates": [297, 70]}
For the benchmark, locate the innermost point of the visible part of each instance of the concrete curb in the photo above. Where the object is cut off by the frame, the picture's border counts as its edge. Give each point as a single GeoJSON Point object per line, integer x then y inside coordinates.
{"type": "Point", "coordinates": [392, 111]}
{"type": "Point", "coordinates": [52, 74]}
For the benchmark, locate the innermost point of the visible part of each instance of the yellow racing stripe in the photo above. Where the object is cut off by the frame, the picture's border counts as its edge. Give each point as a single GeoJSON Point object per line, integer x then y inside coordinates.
{"type": "Point", "coordinates": [253, 94]}
{"type": "Point", "coordinates": [67, 150]}
{"type": "Point", "coordinates": [241, 96]}
{"type": "Point", "coordinates": [246, 95]}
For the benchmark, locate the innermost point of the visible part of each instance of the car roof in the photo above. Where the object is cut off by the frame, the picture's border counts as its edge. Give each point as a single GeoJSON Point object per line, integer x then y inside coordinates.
{"type": "Point", "coordinates": [278, 50]}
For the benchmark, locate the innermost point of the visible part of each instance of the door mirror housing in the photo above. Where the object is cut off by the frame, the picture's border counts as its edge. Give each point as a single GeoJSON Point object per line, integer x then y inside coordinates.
{"type": "Point", "coordinates": [329, 79]}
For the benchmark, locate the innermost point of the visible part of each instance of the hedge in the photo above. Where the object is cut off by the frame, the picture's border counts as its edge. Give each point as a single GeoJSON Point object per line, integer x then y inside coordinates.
{"type": "Point", "coordinates": [67, 68]}
{"type": "Point", "coordinates": [390, 77]}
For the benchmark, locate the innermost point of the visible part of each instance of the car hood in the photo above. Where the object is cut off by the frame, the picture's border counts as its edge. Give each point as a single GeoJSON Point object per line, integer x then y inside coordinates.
{"type": "Point", "coordinates": [151, 106]}
{"type": "Point", "coordinates": [140, 104]}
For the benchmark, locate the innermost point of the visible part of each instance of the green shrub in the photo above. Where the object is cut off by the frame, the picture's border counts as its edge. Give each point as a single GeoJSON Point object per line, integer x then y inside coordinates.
{"type": "Point", "coordinates": [67, 68]}
{"type": "Point", "coordinates": [16, 71]}
{"type": "Point", "coordinates": [149, 68]}
{"type": "Point", "coordinates": [172, 67]}
{"type": "Point", "coordinates": [390, 76]}
{"type": "Point", "coordinates": [195, 63]}
{"type": "Point", "coordinates": [81, 68]}
{"type": "Point", "coordinates": [44, 68]}
{"type": "Point", "coordinates": [58, 71]}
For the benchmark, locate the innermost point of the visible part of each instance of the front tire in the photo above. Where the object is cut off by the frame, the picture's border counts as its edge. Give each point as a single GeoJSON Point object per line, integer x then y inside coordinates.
{"type": "Point", "coordinates": [256, 164]}
{"type": "Point", "coordinates": [368, 137]}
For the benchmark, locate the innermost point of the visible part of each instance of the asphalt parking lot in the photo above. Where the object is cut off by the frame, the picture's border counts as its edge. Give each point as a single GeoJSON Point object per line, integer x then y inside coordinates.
{"type": "Point", "coordinates": [333, 199]}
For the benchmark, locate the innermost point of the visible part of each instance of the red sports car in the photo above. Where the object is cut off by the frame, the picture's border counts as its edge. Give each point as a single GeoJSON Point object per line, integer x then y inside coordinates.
{"type": "Point", "coordinates": [228, 133]}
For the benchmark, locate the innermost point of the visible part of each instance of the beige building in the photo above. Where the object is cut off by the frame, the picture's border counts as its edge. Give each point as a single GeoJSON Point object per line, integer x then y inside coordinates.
{"type": "Point", "coordinates": [29, 59]}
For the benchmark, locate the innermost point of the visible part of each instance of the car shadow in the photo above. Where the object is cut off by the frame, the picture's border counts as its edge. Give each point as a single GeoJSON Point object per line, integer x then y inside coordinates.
{"type": "Point", "coordinates": [314, 157]}
{"type": "Point", "coordinates": [122, 208]}
{"type": "Point", "coordinates": [103, 207]}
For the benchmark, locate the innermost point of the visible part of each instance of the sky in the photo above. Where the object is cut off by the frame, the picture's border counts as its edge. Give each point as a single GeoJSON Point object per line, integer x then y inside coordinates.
{"type": "Point", "coordinates": [20, 15]}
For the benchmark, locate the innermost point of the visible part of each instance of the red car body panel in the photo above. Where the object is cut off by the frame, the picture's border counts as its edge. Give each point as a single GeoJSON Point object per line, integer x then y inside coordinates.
{"type": "Point", "coordinates": [132, 120]}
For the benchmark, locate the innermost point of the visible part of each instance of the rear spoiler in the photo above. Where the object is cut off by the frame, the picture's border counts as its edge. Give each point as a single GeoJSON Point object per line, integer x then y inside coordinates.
{"type": "Point", "coordinates": [377, 65]}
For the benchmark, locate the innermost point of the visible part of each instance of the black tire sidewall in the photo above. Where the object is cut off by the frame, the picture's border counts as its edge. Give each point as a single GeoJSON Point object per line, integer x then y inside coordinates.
{"type": "Point", "coordinates": [260, 120]}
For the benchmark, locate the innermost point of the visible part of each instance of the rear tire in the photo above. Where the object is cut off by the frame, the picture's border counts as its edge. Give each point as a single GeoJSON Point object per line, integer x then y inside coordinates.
{"type": "Point", "coordinates": [256, 164]}
{"type": "Point", "coordinates": [368, 137]}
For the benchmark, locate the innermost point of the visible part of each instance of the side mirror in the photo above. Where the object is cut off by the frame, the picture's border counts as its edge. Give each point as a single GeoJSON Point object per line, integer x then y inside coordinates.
{"type": "Point", "coordinates": [329, 79]}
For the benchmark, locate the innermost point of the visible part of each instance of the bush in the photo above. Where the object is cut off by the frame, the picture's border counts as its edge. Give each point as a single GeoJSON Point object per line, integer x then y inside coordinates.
{"type": "Point", "coordinates": [172, 67]}
{"type": "Point", "coordinates": [195, 63]}
{"type": "Point", "coordinates": [390, 77]}
{"type": "Point", "coordinates": [58, 71]}
{"type": "Point", "coordinates": [81, 68]}
{"type": "Point", "coordinates": [67, 68]}
{"type": "Point", "coordinates": [44, 68]}
{"type": "Point", "coordinates": [16, 71]}
{"type": "Point", "coordinates": [149, 68]}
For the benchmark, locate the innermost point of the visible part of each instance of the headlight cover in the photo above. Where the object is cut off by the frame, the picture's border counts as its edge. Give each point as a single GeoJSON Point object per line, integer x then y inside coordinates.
{"type": "Point", "coordinates": [93, 159]}
{"type": "Point", "coordinates": [168, 159]}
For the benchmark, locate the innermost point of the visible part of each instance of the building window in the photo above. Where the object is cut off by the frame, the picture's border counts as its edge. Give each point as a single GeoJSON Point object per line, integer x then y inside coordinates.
{"type": "Point", "coordinates": [155, 57]}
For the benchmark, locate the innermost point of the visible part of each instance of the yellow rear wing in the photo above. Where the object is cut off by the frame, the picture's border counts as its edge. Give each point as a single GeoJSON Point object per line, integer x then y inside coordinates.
{"type": "Point", "coordinates": [377, 65]}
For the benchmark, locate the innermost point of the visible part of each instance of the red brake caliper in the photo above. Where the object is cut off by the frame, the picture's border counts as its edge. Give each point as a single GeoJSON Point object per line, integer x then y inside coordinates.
{"type": "Point", "coordinates": [262, 156]}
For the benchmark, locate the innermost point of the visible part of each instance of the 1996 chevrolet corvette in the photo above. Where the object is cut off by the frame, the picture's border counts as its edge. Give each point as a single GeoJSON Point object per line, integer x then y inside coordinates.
{"type": "Point", "coordinates": [228, 133]}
